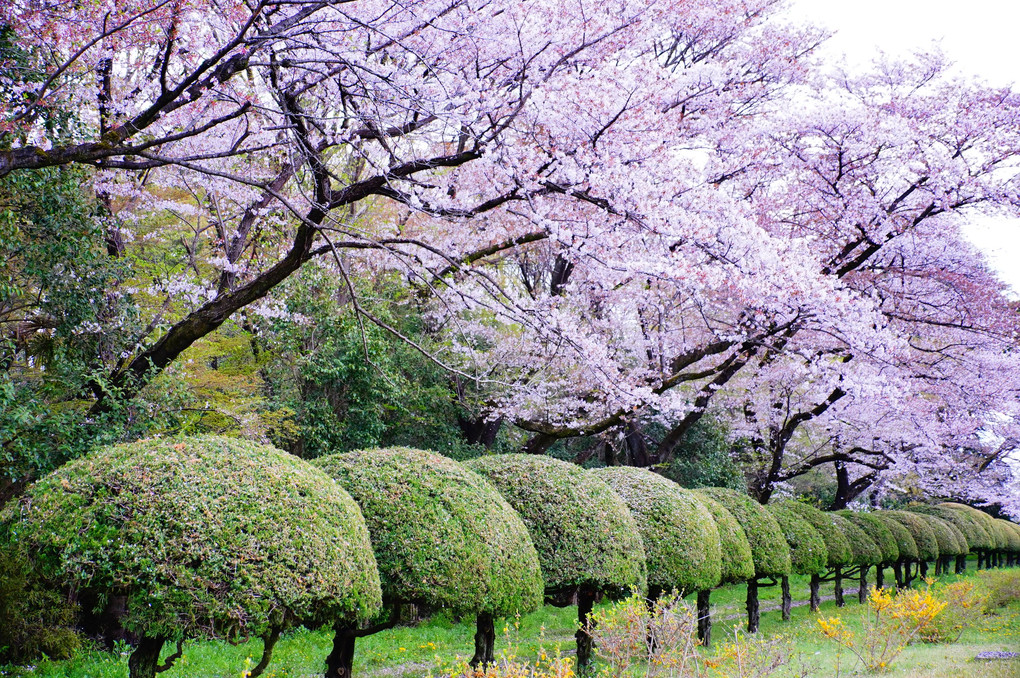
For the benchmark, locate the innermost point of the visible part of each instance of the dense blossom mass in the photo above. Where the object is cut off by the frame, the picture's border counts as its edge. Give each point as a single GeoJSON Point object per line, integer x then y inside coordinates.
{"type": "Point", "coordinates": [620, 214]}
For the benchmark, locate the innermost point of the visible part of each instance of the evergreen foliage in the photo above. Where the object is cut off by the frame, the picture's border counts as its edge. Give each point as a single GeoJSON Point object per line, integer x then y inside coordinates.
{"type": "Point", "coordinates": [807, 548]}
{"type": "Point", "coordinates": [207, 537]}
{"type": "Point", "coordinates": [680, 537]}
{"type": "Point", "coordinates": [737, 563]}
{"type": "Point", "coordinates": [836, 543]}
{"type": "Point", "coordinates": [863, 548]}
{"type": "Point", "coordinates": [904, 539]}
{"type": "Point", "coordinates": [922, 533]}
{"type": "Point", "coordinates": [583, 531]}
{"type": "Point", "coordinates": [769, 551]}
{"type": "Point", "coordinates": [442, 535]}
{"type": "Point", "coordinates": [879, 533]}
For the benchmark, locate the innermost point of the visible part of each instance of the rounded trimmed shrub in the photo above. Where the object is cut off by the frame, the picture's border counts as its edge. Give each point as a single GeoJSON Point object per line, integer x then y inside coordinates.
{"type": "Point", "coordinates": [836, 544]}
{"type": "Point", "coordinates": [863, 549]}
{"type": "Point", "coordinates": [769, 551]}
{"type": "Point", "coordinates": [1015, 529]}
{"type": "Point", "coordinates": [1009, 536]}
{"type": "Point", "coordinates": [957, 523]}
{"type": "Point", "coordinates": [972, 527]}
{"type": "Point", "coordinates": [923, 534]}
{"type": "Point", "coordinates": [680, 538]}
{"type": "Point", "coordinates": [878, 532]}
{"type": "Point", "coordinates": [442, 535]}
{"type": "Point", "coordinates": [807, 548]}
{"type": "Point", "coordinates": [982, 519]}
{"type": "Point", "coordinates": [207, 537]}
{"type": "Point", "coordinates": [737, 564]}
{"type": "Point", "coordinates": [949, 544]}
{"type": "Point", "coordinates": [583, 531]}
{"type": "Point", "coordinates": [904, 539]}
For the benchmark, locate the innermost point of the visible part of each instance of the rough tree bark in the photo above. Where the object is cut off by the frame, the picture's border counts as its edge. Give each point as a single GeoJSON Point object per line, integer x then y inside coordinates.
{"type": "Point", "coordinates": [815, 599]}
{"type": "Point", "coordinates": [485, 641]}
{"type": "Point", "coordinates": [341, 659]}
{"type": "Point", "coordinates": [753, 611]}
{"type": "Point", "coordinates": [838, 586]}
{"type": "Point", "coordinates": [144, 661]}
{"type": "Point", "coordinates": [862, 589]}
{"type": "Point", "coordinates": [787, 598]}
{"type": "Point", "coordinates": [704, 617]}
{"type": "Point", "coordinates": [585, 604]}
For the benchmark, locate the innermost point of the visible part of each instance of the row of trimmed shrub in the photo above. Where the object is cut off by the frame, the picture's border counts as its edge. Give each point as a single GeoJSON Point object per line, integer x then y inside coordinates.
{"type": "Point", "coordinates": [220, 538]}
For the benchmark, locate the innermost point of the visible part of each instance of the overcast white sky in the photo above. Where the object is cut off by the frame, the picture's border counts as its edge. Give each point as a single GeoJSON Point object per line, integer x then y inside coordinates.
{"type": "Point", "coordinates": [981, 36]}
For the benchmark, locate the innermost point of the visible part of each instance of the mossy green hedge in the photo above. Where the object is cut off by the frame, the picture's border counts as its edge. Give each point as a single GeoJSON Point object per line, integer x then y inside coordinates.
{"type": "Point", "coordinates": [863, 549]}
{"type": "Point", "coordinates": [972, 527]}
{"type": "Point", "coordinates": [207, 537]}
{"type": "Point", "coordinates": [1009, 536]}
{"type": "Point", "coordinates": [923, 534]}
{"type": "Point", "coordinates": [946, 536]}
{"type": "Point", "coordinates": [442, 535]}
{"type": "Point", "coordinates": [737, 564]}
{"type": "Point", "coordinates": [583, 531]}
{"type": "Point", "coordinates": [1015, 538]}
{"type": "Point", "coordinates": [879, 533]}
{"type": "Point", "coordinates": [963, 527]}
{"type": "Point", "coordinates": [807, 548]}
{"type": "Point", "coordinates": [904, 540]}
{"type": "Point", "coordinates": [680, 538]}
{"type": "Point", "coordinates": [981, 519]}
{"type": "Point", "coordinates": [836, 544]}
{"type": "Point", "coordinates": [769, 551]}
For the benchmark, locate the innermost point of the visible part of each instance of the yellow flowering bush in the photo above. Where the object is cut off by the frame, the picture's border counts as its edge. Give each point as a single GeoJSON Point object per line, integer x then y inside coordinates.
{"type": "Point", "coordinates": [749, 656]}
{"type": "Point", "coordinates": [890, 623]}
{"type": "Point", "coordinates": [659, 638]}
{"type": "Point", "coordinates": [965, 605]}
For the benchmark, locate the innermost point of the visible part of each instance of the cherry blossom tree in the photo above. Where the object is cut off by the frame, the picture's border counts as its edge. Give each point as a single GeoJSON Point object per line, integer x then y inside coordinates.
{"type": "Point", "coordinates": [617, 212]}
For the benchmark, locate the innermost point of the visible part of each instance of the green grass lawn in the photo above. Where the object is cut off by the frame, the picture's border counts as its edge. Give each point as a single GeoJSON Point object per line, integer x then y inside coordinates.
{"type": "Point", "coordinates": [441, 643]}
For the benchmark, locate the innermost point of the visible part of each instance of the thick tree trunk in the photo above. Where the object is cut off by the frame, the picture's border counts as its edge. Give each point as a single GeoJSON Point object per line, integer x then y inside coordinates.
{"type": "Point", "coordinates": [753, 612]}
{"type": "Point", "coordinates": [922, 569]}
{"type": "Point", "coordinates": [479, 430]}
{"type": "Point", "coordinates": [980, 559]}
{"type": "Point", "coordinates": [585, 604]}
{"type": "Point", "coordinates": [961, 564]}
{"type": "Point", "coordinates": [485, 641]}
{"type": "Point", "coordinates": [838, 586]}
{"type": "Point", "coordinates": [897, 569]}
{"type": "Point", "coordinates": [879, 576]}
{"type": "Point", "coordinates": [787, 606]}
{"type": "Point", "coordinates": [862, 588]}
{"type": "Point", "coordinates": [908, 574]}
{"type": "Point", "coordinates": [816, 598]}
{"type": "Point", "coordinates": [340, 661]}
{"type": "Point", "coordinates": [145, 659]}
{"type": "Point", "coordinates": [704, 618]}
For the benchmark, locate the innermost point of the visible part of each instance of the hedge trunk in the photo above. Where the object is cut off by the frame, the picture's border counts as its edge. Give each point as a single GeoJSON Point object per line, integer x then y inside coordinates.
{"type": "Point", "coordinates": [816, 598]}
{"type": "Point", "coordinates": [961, 564]}
{"type": "Point", "coordinates": [838, 579]}
{"type": "Point", "coordinates": [704, 617]}
{"type": "Point", "coordinates": [145, 659]}
{"type": "Point", "coordinates": [585, 604]}
{"type": "Point", "coordinates": [862, 588]}
{"type": "Point", "coordinates": [341, 660]}
{"type": "Point", "coordinates": [485, 641]}
{"type": "Point", "coordinates": [787, 599]}
{"type": "Point", "coordinates": [753, 612]}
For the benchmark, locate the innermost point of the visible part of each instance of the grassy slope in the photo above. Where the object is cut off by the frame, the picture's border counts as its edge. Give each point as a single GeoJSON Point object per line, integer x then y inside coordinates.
{"type": "Point", "coordinates": [438, 643]}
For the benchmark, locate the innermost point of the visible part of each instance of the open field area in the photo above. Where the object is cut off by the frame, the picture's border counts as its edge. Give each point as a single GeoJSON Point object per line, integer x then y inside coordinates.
{"type": "Point", "coordinates": [439, 646]}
